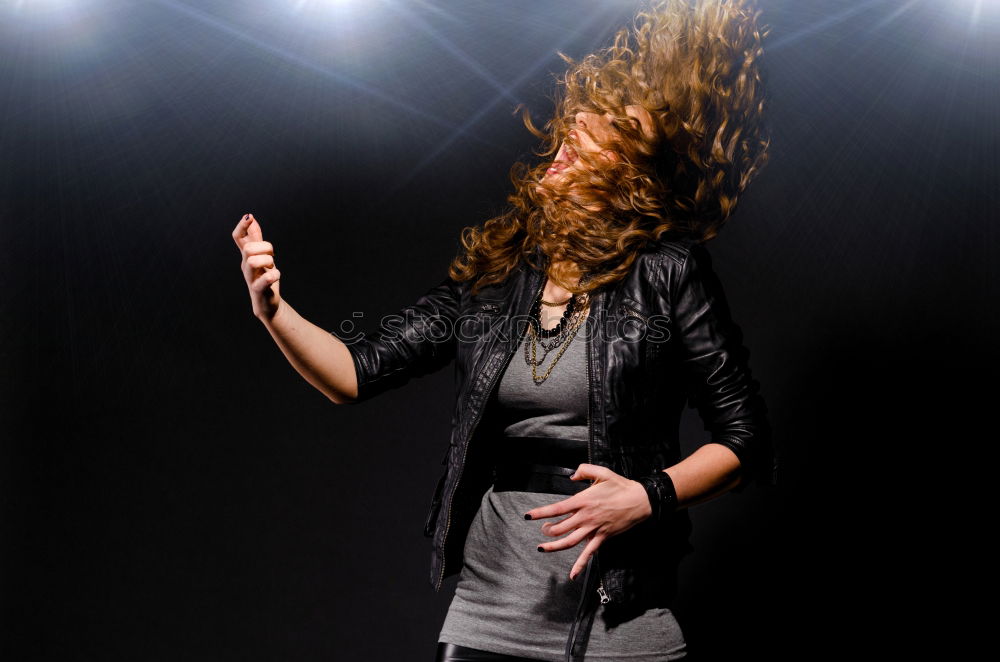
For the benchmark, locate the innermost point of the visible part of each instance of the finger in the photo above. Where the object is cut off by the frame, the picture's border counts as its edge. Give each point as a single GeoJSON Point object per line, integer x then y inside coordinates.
{"type": "Point", "coordinates": [565, 525]}
{"type": "Point", "coordinates": [260, 261]}
{"type": "Point", "coordinates": [554, 509]}
{"type": "Point", "coordinates": [569, 541]}
{"type": "Point", "coordinates": [592, 471]}
{"type": "Point", "coordinates": [253, 229]}
{"type": "Point", "coordinates": [253, 265]}
{"type": "Point", "coordinates": [240, 231]}
{"type": "Point", "coordinates": [581, 561]}
{"type": "Point", "coordinates": [265, 280]}
{"type": "Point", "coordinates": [258, 248]}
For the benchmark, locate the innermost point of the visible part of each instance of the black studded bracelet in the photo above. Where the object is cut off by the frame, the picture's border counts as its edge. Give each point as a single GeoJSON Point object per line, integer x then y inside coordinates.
{"type": "Point", "coordinates": [661, 493]}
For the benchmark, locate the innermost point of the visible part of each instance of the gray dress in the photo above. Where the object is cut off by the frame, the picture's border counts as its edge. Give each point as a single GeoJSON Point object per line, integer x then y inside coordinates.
{"type": "Point", "coordinates": [512, 599]}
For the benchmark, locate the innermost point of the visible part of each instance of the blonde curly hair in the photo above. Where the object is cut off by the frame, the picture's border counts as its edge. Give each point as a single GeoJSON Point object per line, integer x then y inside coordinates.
{"type": "Point", "coordinates": [694, 67]}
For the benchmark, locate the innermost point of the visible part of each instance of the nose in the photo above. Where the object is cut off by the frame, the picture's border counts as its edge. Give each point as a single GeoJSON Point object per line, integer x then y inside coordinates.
{"type": "Point", "coordinates": [583, 117]}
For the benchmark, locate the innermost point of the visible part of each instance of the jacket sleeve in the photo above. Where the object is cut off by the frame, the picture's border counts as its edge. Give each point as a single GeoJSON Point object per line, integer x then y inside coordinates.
{"type": "Point", "coordinates": [714, 365]}
{"type": "Point", "coordinates": [417, 340]}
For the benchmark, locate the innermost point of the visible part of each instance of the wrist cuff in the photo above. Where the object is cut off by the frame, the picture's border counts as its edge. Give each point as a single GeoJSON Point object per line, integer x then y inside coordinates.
{"type": "Point", "coordinates": [661, 493]}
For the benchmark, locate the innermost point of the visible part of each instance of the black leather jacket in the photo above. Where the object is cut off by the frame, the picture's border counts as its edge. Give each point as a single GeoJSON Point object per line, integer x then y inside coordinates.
{"type": "Point", "coordinates": [661, 337]}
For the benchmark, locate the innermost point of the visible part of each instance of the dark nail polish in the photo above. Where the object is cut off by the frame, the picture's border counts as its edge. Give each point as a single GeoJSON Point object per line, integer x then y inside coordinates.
{"type": "Point", "coordinates": [527, 516]}
{"type": "Point", "coordinates": [541, 549]}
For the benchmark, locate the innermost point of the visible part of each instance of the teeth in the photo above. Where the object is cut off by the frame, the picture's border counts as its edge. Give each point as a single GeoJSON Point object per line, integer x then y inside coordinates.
{"type": "Point", "coordinates": [564, 159]}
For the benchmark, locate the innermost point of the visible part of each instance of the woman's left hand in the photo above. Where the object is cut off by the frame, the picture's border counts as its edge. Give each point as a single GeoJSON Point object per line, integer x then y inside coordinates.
{"type": "Point", "coordinates": [610, 506]}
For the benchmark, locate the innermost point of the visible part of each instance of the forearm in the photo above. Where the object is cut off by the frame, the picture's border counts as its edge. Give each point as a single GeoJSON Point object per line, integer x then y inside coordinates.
{"type": "Point", "coordinates": [321, 358]}
{"type": "Point", "coordinates": [710, 471]}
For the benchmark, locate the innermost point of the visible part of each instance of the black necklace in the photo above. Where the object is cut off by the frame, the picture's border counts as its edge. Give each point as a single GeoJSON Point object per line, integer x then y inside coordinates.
{"type": "Point", "coordinates": [554, 332]}
{"type": "Point", "coordinates": [558, 337]}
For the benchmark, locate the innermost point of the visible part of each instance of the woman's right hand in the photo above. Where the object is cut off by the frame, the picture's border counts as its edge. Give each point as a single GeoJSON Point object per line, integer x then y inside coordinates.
{"type": "Point", "coordinates": [258, 267]}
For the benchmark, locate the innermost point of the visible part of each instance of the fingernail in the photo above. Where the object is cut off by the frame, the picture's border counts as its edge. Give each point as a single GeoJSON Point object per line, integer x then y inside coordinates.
{"type": "Point", "coordinates": [541, 549]}
{"type": "Point", "coordinates": [527, 516]}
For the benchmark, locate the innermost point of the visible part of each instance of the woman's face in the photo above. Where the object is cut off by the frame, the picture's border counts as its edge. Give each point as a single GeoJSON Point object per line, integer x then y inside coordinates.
{"type": "Point", "coordinates": [588, 131]}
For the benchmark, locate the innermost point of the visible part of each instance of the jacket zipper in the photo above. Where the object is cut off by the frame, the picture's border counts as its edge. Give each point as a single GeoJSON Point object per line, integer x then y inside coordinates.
{"type": "Point", "coordinates": [590, 438]}
{"type": "Point", "coordinates": [472, 430]}
{"type": "Point", "coordinates": [603, 594]}
{"type": "Point", "coordinates": [634, 313]}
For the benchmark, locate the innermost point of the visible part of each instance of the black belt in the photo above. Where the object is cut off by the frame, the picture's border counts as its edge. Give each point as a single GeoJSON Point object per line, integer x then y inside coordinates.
{"type": "Point", "coordinates": [539, 464]}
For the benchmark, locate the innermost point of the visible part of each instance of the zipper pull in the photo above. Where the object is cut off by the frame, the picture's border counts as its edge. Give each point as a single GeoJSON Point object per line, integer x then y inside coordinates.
{"type": "Point", "coordinates": [604, 594]}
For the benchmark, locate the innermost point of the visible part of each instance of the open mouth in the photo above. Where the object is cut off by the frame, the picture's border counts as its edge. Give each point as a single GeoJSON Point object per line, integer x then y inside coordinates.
{"type": "Point", "coordinates": [566, 156]}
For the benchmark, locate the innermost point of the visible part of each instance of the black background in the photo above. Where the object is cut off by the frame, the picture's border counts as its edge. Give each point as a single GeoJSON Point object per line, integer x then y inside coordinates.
{"type": "Point", "coordinates": [171, 489]}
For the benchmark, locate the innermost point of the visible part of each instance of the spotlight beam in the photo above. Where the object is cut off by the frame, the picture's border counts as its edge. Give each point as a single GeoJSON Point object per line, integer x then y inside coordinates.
{"type": "Point", "coordinates": [833, 19]}
{"type": "Point", "coordinates": [343, 79]}
{"type": "Point", "coordinates": [478, 115]}
{"type": "Point", "coordinates": [462, 57]}
{"type": "Point", "coordinates": [893, 15]}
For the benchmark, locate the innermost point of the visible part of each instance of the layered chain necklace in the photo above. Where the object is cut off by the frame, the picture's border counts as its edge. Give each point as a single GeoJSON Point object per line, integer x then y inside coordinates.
{"type": "Point", "coordinates": [558, 337]}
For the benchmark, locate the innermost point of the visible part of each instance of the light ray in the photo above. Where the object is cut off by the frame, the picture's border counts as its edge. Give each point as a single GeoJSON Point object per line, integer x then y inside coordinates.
{"type": "Point", "coordinates": [893, 15]}
{"type": "Point", "coordinates": [461, 56]}
{"type": "Point", "coordinates": [341, 78]}
{"type": "Point", "coordinates": [813, 28]}
{"type": "Point", "coordinates": [474, 118]}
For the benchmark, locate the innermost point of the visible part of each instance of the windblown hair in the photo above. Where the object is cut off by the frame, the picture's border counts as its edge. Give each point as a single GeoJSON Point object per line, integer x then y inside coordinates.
{"type": "Point", "coordinates": [694, 66]}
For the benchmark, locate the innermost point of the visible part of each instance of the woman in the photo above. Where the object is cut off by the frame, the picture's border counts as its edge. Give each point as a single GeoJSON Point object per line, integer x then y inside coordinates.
{"type": "Point", "coordinates": [580, 322]}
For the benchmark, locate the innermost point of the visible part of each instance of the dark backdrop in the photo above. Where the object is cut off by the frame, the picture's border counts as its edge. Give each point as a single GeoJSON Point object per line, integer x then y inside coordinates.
{"type": "Point", "coordinates": [171, 489]}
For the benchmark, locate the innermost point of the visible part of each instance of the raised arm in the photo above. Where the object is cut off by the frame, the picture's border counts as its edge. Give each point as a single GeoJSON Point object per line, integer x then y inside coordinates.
{"type": "Point", "coordinates": [322, 359]}
{"type": "Point", "coordinates": [417, 340]}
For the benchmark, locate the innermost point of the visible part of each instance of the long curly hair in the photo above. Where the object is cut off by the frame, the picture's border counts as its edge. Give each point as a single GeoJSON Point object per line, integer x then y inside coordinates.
{"type": "Point", "coordinates": [694, 67]}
